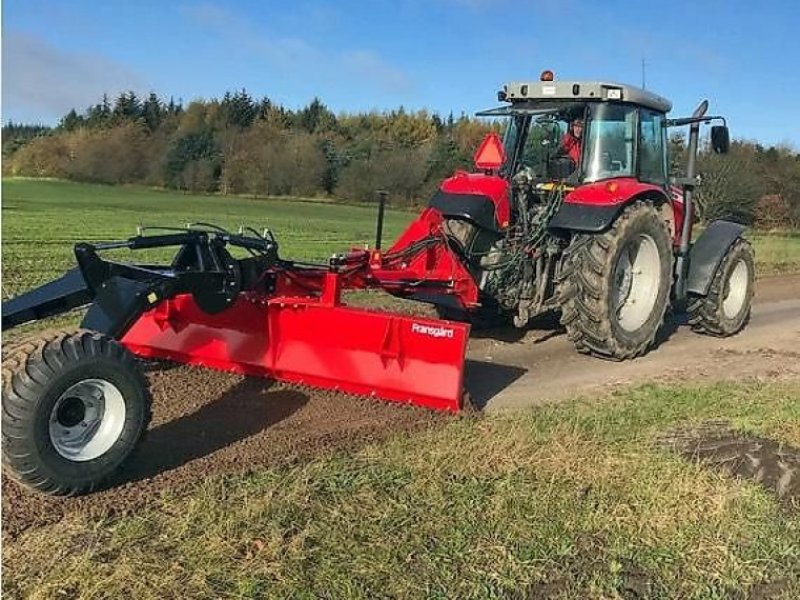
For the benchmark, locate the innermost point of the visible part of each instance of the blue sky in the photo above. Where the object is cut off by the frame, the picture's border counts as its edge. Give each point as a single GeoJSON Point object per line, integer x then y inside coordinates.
{"type": "Point", "coordinates": [443, 55]}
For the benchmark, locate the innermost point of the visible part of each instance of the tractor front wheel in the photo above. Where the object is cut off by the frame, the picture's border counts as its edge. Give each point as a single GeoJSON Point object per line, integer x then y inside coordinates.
{"type": "Point", "coordinates": [614, 286]}
{"type": "Point", "coordinates": [74, 407]}
{"type": "Point", "coordinates": [725, 310]}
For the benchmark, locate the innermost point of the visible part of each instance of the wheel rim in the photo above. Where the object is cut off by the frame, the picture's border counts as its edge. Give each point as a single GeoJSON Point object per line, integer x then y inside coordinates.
{"type": "Point", "coordinates": [87, 419]}
{"type": "Point", "coordinates": [637, 278]}
{"type": "Point", "coordinates": [736, 293]}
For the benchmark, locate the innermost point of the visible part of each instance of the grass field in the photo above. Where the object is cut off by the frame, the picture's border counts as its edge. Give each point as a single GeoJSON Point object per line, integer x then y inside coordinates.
{"type": "Point", "coordinates": [42, 220]}
{"type": "Point", "coordinates": [570, 501]}
{"type": "Point", "coordinates": [777, 252]}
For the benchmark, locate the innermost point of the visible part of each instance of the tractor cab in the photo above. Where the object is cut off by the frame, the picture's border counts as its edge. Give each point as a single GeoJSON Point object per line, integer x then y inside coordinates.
{"type": "Point", "coordinates": [623, 132]}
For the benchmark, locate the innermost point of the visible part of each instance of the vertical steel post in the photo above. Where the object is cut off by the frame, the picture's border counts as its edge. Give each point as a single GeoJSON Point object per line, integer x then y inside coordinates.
{"type": "Point", "coordinates": [382, 195]}
{"type": "Point", "coordinates": [682, 262]}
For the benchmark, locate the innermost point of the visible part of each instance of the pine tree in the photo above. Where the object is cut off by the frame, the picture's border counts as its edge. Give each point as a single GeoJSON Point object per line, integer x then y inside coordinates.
{"type": "Point", "coordinates": [152, 112]}
{"type": "Point", "coordinates": [71, 121]}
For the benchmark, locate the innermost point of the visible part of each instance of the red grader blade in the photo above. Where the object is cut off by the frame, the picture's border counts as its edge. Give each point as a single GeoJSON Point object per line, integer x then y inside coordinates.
{"type": "Point", "coordinates": [298, 340]}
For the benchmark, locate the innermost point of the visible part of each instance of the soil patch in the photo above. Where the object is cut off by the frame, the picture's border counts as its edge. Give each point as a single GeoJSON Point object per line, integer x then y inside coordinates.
{"type": "Point", "coordinates": [633, 582]}
{"type": "Point", "coordinates": [207, 423]}
{"type": "Point", "coordinates": [774, 465]}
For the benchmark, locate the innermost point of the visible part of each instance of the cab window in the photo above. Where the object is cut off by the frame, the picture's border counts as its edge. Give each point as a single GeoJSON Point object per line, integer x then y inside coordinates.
{"type": "Point", "coordinates": [610, 142]}
{"type": "Point", "coordinates": [652, 157]}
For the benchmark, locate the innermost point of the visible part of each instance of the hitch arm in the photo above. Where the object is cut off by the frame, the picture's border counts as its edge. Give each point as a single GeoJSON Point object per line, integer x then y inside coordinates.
{"type": "Point", "coordinates": [65, 293]}
{"type": "Point", "coordinates": [119, 293]}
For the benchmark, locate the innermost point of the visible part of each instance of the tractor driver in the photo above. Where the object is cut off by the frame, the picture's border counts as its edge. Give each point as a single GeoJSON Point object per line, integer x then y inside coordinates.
{"type": "Point", "coordinates": [571, 143]}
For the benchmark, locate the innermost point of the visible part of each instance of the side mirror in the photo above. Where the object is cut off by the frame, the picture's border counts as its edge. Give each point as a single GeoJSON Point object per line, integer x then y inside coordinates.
{"type": "Point", "coordinates": [720, 139]}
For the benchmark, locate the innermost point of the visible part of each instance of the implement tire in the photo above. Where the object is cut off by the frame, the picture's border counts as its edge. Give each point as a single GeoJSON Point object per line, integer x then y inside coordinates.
{"type": "Point", "coordinates": [74, 407]}
{"type": "Point", "coordinates": [614, 286]}
{"type": "Point", "coordinates": [725, 310]}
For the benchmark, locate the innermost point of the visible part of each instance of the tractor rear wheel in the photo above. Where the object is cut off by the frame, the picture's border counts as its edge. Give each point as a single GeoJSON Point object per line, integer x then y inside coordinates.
{"type": "Point", "coordinates": [726, 309]}
{"type": "Point", "coordinates": [74, 407]}
{"type": "Point", "coordinates": [614, 286]}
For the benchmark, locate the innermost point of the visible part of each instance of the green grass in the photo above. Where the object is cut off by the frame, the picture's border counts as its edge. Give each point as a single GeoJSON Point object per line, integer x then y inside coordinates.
{"type": "Point", "coordinates": [43, 219]}
{"type": "Point", "coordinates": [777, 252]}
{"type": "Point", "coordinates": [573, 499]}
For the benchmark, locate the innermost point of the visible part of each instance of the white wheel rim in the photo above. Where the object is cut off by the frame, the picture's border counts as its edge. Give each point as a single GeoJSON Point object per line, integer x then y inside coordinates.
{"type": "Point", "coordinates": [87, 419]}
{"type": "Point", "coordinates": [736, 292]}
{"type": "Point", "coordinates": [637, 278]}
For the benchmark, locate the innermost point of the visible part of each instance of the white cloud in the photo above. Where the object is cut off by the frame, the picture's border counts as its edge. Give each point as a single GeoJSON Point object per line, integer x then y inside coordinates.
{"type": "Point", "coordinates": [38, 78]}
{"type": "Point", "coordinates": [298, 56]}
{"type": "Point", "coordinates": [369, 66]}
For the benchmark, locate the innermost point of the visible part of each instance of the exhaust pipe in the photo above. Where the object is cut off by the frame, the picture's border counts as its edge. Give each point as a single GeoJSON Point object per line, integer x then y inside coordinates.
{"type": "Point", "coordinates": [682, 263]}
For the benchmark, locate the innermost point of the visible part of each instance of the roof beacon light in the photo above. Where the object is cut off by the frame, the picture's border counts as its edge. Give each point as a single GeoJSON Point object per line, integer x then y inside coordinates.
{"type": "Point", "coordinates": [547, 76]}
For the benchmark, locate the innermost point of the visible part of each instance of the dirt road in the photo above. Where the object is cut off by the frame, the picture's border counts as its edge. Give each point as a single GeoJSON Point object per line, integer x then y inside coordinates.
{"type": "Point", "coordinates": [208, 423]}
{"type": "Point", "coordinates": [541, 364]}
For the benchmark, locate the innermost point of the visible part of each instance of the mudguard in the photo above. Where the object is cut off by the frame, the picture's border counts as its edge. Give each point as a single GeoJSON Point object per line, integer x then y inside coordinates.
{"type": "Point", "coordinates": [477, 197]}
{"type": "Point", "coordinates": [585, 217]}
{"type": "Point", "coordinates": [593, 207]}
{"type": "Point", "coordinates": [707, 254]}
{"type": "Point", "coordinates": [475, 208]}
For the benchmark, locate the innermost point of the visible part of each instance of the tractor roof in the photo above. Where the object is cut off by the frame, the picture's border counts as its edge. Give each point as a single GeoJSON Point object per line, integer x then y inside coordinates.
{"type": "Point", "coordinates": [530, 92]}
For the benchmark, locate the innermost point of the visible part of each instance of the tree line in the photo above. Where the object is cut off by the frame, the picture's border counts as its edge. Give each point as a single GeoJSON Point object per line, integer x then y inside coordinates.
{"type": "Point", "coordinates": [751, 184]}
{"type": "Point", "coordinates": [238, 145]}
{"type": "Point", "coordinates": [241, 145]}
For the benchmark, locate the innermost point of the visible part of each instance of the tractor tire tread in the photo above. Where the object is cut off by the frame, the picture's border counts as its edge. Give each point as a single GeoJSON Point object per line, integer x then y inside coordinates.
{"type": "Point", "coordinates": [704, 313]}
{"type": "Point", "coordinates": [583, 285]}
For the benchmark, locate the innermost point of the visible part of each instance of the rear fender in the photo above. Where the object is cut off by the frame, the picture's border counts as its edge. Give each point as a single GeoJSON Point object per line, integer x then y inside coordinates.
{"type": "Point", "coordinates": [585, 217]}
{"type": "Point", "coordinates": [707, 254]}
{"type": "Point", "coordinates": [592, 208]}
{"type": "Point", "coordinates": [477, 197]}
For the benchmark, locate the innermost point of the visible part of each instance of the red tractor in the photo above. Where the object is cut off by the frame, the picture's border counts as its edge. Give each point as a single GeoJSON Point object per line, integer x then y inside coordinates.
{"type": "Point", "coordinates": [585, 223]}
{"type": "Point", "coordinates": [590, 224]}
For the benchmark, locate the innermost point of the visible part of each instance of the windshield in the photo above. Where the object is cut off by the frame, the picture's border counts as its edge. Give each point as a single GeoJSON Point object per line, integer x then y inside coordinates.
{"type": "Point", "coordinates": [547, 143]}
{"type": "Point", "coordinates": [512, 128]}
{"type": "Point", "coordinates": [610, 142]}
{"type": "Point", "coordinates": [531, 142]}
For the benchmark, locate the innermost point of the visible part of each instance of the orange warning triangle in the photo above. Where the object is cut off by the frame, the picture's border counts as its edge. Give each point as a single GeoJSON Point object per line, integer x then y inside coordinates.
{"type": "Point", "coordinates": [490, 154]}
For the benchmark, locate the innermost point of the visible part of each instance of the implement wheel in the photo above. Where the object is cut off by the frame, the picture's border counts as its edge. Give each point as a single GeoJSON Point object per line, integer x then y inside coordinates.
{"type": "Point", "coordinates": [614, 286]}
{"type": "Point", "coordinates": [726, 309]}
{"type": "Point", "coordinates": [74, 407]}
